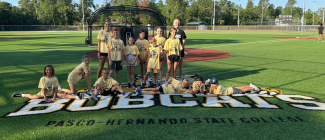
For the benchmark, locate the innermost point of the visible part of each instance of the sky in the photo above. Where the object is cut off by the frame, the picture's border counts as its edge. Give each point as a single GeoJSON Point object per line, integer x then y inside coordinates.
{"type": "Point", "coordinates": [309, 4]}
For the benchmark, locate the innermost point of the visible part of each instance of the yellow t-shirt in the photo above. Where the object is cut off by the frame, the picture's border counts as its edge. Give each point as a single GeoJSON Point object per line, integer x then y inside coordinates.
{"type": "Point", "coordinates": [106, 85]}
{"type": "Point", "coordinates": [116, 46]}
{"type": "Point", "coordinates": [223, 91]}
{"type": "Point", "coordinates": [104, 37]}
{"type": "Point", "coordinates": [143, 46]}
{"type": "Point", "coordinates": [174, 87]}
{"type": "Point", "coordinates": [173, 47]}
{"type": "Point", "coordinates": [48, 84]}
{"type": "Point", "coordinates": [160, 40]}
{"type": "Point", "coordinates": [131, 50]}
{"type": "Point", "coordinates": [195, 87]}
{"type": "Point", "coordinates": [154, 61]}
{"type": "Point", "coordinates": [76, 75]}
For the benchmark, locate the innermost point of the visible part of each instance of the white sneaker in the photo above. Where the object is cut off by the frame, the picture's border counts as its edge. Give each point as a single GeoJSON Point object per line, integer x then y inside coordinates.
{"type": "Point", "coordinates": [318, 41]}
{"type": "Point", "coordinates": [59, 88]}
{"type": "Point", "coordinates": [128, 94]}
{"type": "Point", "coordinates": [254, 87]}
{"type": "Point", "coordinates": [95, 83]}
{"type": "Point", "coordinates": [92, 98]}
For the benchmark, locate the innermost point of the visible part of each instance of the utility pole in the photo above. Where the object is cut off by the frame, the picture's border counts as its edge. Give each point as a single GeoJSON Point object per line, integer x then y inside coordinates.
{"type": "Point", "coordinates": [238, 12]}
{"type": "Point", "coordinates": [314, 11]}
{"type": "Point", "coordinates": [83, 16]}
{"type": "Point", "coordinates": [262, 14]}
{"type": "Point", "coordinates": [214, 12]}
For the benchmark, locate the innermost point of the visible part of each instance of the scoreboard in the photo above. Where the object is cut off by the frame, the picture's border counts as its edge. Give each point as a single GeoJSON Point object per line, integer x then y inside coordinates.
{"type": "Point", "coordinates": [285, 19]}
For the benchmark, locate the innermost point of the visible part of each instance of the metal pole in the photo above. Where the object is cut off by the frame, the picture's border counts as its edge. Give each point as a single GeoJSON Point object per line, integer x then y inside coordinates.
{"type": "Point", "coordinates": [238, 13]}
{"type": "Point", "coordinates": [262, 14]}
{"type": "Point", "coordinates": [214, 12]}
{"type": "Point", "coordinates": [83, 16]}
{"type": "Point", "coordinates": [314, 11]}
{"type": "Point", "coordinates": [323, 11]}
{"type": "Point", "coordinates": [303, 16]}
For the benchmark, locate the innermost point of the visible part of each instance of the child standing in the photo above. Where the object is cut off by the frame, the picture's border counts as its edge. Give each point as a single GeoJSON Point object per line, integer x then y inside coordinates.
{"type": "Point", "coordinates": [198, 86]}
{"type": "Point", "coordinates": [153, 63]}
{"type": "Point", "coordinates": [173, 48]}
{"type": "Point", "coordinates": [143, 46]}
{"type": "Point", "coordinates": [131, 54]}
{"type": "Point", "coordinates": [82, 71]}
{"type": "Point", "coordinates": [103, 37]}
{"type": "Point", "coordinates": [115, 54]}
{"type": "Point", "coordinates": [160, 42]}
{"type": "Point", "coordinates": [107, 85]}
{"type": "Point", "coordinates": [218, 90]}
{"type": "Point", "coordinates": [173, 88]}
{"type": "Point", "coordinates": [48, 85]}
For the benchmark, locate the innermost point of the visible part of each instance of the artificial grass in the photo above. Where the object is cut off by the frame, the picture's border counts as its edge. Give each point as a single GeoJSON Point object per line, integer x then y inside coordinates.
{"type": "Point", "coordinates": [294, 66]}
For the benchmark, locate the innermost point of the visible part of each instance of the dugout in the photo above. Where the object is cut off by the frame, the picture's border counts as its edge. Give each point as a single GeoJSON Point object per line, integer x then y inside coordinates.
{"type": "Point", "coordinates": [129, 19]}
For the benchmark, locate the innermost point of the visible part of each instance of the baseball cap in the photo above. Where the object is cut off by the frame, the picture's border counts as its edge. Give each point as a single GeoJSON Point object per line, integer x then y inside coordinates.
{"type": "Point", "coordinates": [199, 78]}
{"type": "Point", "coordinates": [214, 81]}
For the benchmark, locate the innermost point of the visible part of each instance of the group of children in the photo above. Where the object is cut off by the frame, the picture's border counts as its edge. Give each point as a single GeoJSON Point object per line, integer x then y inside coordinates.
{"type": "Point", "coordinates": [149, 56]}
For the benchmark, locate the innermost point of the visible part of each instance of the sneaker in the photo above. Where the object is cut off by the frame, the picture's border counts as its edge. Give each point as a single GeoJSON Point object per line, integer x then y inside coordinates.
{"type": "Point", "coordinates": [154, 86]}
{"type": "Point", "coordinates": [129, 85]}
{"type": "Point", "coordinates": [59, 88]}
{"type": "Point", "coordinates": [133, 85]}
{"type": "Point", "coordinates": [254, 87]}
{"type": "Point", "coordinates": [127, 95]}
{"type": "Point", "coordinates": [137, 90]}
{"type": "Point", "coordinates": [207, 82]}
{"type": "Point", "coordinates": [148, 83]}
{"type": "Point", "coordinates": [92, 98]}
{"type": "Point", "coordinates": [95, 83]}
{"type": "Point", "coordinates": [81, 96]}
{"type": "Point", "coordinates": [323, 41]}
{"type": "Point", "coordinates": [17, 95]}
{"type": "Point", "coordinates": [318, 41]}
{"type": "Point", "coordinates": [143, 84]}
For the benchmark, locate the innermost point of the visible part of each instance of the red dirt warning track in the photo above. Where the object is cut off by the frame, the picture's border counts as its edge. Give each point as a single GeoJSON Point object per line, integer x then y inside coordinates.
{"type": "Point", "coordinates": [193, 55]}
{"type": "Point", "coordinates": [303, 38]}
{"type": "Point", "coordinates": [16, 37]}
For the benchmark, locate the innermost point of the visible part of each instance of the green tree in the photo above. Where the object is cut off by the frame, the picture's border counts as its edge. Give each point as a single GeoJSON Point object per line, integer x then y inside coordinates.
{"type": "Point", "coordinates": [290, 4]}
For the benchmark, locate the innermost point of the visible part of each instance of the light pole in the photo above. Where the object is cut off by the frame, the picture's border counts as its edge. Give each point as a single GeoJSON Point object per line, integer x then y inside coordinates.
{"type": "Point", "coordinates": [262, 14]}
{"type": "Point", "coordinates": [214, 12]}
{"type": "Point", "coordinates": [314, 11]}
{"type": "Point", "coordinates": [238, 12]}
{"type": "Point", "coordinates": [323, 11]}
{"type": "Point", "coordinates": [83, 16]}
{"type": "Point", "coordinates": [303, 16]}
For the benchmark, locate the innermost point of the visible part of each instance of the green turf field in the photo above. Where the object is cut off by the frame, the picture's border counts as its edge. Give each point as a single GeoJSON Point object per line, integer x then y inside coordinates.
{"type": "Point", "coordinates": [296, 67]}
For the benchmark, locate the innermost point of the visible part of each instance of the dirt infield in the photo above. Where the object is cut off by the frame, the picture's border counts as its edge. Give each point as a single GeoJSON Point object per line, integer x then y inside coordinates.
{"type": "Point", "coordinates": [16, 37]}
{"type": "Point", "coordinates": [303, 38]}
{"type": "Point", "coordinates": [193, 55]}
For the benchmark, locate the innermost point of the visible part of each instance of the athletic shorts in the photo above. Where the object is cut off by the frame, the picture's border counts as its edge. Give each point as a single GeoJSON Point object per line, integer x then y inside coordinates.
{"type": "Point", "coordinates": [103, 54]}
{"type": "Point", "coordinates": [108, 92]}
{"type": "Point", "coordinates": [161, 90]}
{"type": "Point", "coordinates": [237, 91]}
{"type": "Point", "coordinates": [152, 70]}
{"type": "Point", "coordinates": [182, 53]}
{"type": "Point", "coordinates": [116, 65]}
{"type": "Point", "coordinates": [173, 58]}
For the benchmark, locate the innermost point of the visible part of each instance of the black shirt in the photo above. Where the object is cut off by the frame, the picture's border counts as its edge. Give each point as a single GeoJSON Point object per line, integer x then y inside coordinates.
{"type": "Point", "coordinates": [320, 30]}
{"type": "Point", "coordinates": [180, 35]}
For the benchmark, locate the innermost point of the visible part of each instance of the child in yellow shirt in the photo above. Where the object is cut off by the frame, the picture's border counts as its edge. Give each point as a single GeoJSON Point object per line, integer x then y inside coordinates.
{"type": "Point", "coordinates": [198, 86]}
{"type": "Point", "coordinates": [153, 64]}
{"type": "Point", "coordinates": [82, 71]}
{"type": "Point", "coordinates": [161, 42]}
{"type": "Point", "coordinates": [107, 85]}
{"type": "Point", "coordinates": [115, 53]}
{"type": "Point", "coordinates": [218, 90]}
{"type": "Point", "coordinates": [131, 54]}
{"type": "Point", "coordinates": [174, 88]}
{"type": "Point", "coordinates": [48, 85]}
{"type": "Point", "coordinates": [143, 46]}
{"type": "Point", "coordinates": [172, 48]}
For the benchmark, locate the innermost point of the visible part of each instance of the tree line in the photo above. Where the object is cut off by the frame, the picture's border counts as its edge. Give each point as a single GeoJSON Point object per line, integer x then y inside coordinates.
{"type": "Point", "coordinates": [67, 12]}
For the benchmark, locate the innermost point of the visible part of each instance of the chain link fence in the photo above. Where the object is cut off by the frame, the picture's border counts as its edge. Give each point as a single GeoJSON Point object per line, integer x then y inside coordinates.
{"type": "Point", "coordinates": [197, 28]}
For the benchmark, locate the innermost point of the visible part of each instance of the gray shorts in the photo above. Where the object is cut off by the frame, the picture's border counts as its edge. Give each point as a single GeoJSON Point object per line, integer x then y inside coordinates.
{"type": "Point", "coordinates": [131, 58]}
{"type": "Point", "coordinates": [237, 91]}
